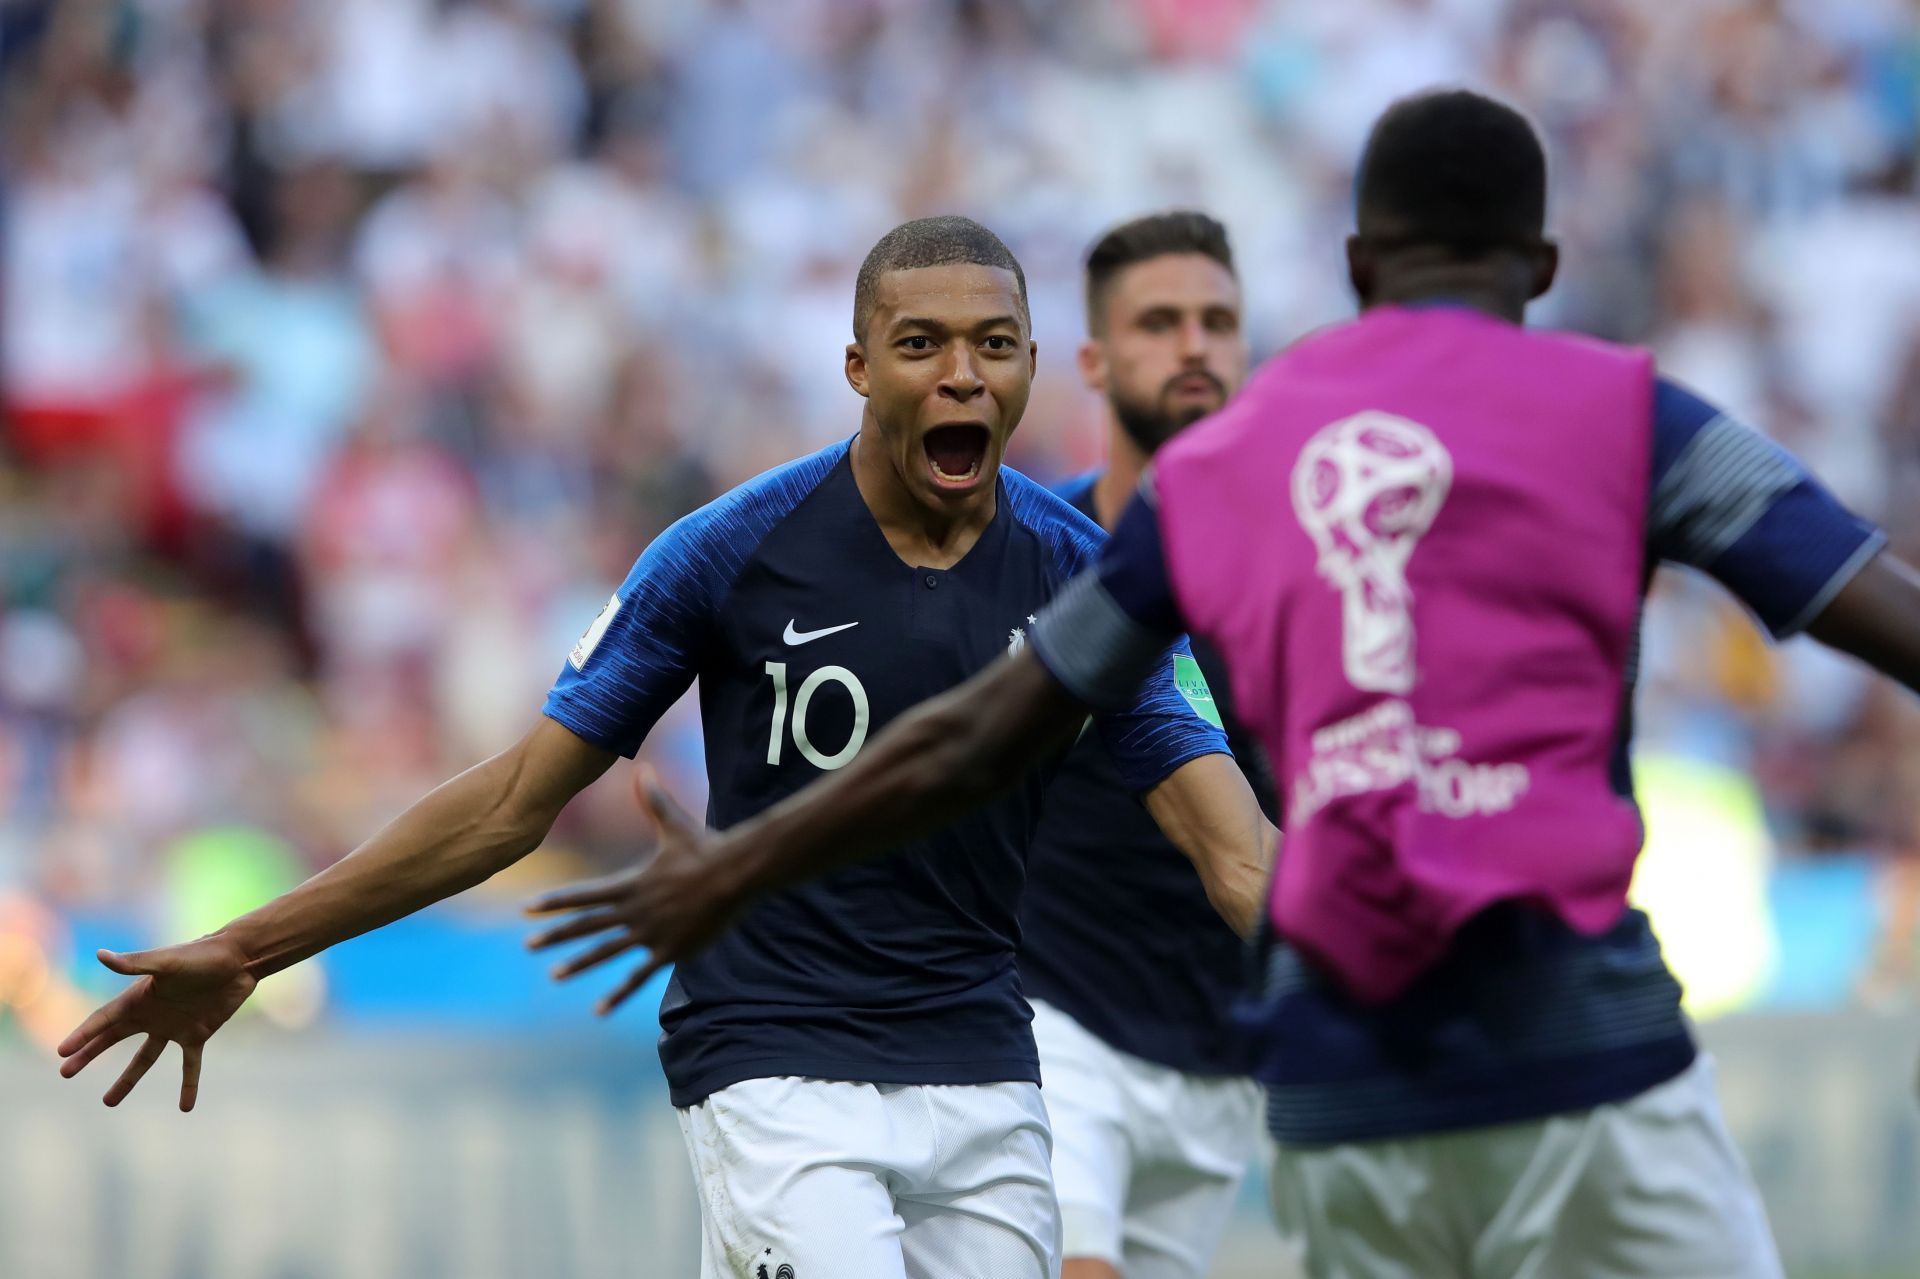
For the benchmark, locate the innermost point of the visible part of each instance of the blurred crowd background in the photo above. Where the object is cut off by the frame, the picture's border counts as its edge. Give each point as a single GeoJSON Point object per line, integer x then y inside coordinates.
{"type": "Point", "coordinates": [352, 349]}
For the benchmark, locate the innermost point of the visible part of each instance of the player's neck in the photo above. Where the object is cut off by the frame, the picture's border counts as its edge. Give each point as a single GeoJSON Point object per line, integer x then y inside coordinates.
{"type": "Point", "coordinates": [1114, 487]}
{"type": "Point", "coordinates": [922, 536]}
{"type": "Point", "coordinates": [1451, 286]}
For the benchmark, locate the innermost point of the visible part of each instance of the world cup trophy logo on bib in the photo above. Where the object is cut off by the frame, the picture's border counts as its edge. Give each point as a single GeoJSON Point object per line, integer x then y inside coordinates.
{"type": "Point", "coordinates": [1366, 489]}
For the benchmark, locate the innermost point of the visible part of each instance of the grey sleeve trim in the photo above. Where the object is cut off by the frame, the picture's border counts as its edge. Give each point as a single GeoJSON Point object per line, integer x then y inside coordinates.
{"type": "Point", "coordinates": [1093, 647]}
{"type": "Point", "coordinates": [1869, 549]}
{"type": "Point", "coordinates": [1721, 484]}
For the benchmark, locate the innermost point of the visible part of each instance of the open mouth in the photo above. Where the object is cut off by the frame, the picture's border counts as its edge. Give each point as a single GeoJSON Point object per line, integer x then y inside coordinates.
{"type": "Point", "coordinates": [956, 453]}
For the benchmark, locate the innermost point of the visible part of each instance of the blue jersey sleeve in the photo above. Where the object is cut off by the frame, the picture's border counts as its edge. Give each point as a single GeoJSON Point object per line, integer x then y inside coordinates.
{"type": "Point", "coordinates": [640, 654]}
{"type": "Point", "coordinates": [644, 649]}
{"type": "Point", "coordinates": [1156, 710]}
{"type": "Point", "coordinates": [1170, 722]}
{"type": "Point", "coordinates": [1730, 502]}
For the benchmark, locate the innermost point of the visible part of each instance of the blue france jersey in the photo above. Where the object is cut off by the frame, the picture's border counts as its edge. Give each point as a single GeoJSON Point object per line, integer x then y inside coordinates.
{"type": "Point", "coordinates": [1117, 931]}
{"type": "Point", "coordinates": [808, 634]}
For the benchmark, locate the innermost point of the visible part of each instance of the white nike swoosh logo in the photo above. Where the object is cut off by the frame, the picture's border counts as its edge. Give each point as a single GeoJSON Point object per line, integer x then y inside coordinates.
{"type": "Point", "coordinates": [803, 637]}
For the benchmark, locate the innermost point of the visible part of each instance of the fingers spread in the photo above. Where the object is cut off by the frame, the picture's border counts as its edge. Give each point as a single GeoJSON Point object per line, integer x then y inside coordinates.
{"type": "Point", "coordinates": [598, 955]}
{"type": "Point", "coordinates": [634, 982]}
{"type": "Point", "coordinates": [103, 1017]}
{"type": "Point", "coordinates": [79, 1059]}
{"type": "Point", "coordinates": [598, 892]}
{"type": "Point", "coordinates": [574, 929]}
{"type": "Point", "coordinates": [136, 1070]}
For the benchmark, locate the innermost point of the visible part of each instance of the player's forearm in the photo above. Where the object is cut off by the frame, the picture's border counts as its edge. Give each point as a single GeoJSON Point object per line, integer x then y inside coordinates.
{"type": "Point", "coordinates": [1210, 813]}
{"type": "Point", "coordinates": [1876, 618]}
{"type": "Point", "coordinates": [455, 837]}
{"type": "Point", "coordinates": [929, 767]}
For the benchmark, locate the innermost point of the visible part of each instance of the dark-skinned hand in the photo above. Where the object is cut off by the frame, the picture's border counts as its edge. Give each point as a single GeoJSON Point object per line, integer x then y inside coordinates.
{"type": "Point", "coordinates": [675, 904]}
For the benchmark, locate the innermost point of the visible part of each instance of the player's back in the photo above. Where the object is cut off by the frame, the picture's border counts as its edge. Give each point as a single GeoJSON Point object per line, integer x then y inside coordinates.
{"type": "Point", "coordinates": [1455, 552]}
{"type": "Point", "coordinates": [1483, 522]}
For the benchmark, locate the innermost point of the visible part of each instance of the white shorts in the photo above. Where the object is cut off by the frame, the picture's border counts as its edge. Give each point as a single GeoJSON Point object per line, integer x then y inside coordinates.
{"type": "Point", "coordinates": [818, 1179]}
{"type": "Point", "coordinates": [1147, 1160]}
{"type": "Point", "coordinates": [1648, 1188]}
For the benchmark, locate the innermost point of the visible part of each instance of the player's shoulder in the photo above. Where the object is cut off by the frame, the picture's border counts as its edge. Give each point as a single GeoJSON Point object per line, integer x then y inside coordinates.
{"type": "Point", "coordinates": [1069, 536]}
{"type": "Point", "coordinates": [1558, 356]}
{"type": "Point", "coordinates": [1678, 409]}
{"type": "Point", "coordinates": [1714, 445]}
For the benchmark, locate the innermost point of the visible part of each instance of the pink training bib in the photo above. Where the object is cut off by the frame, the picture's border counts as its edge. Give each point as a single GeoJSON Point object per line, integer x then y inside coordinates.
{"type": "Point", "coordinates": [1419, 541]}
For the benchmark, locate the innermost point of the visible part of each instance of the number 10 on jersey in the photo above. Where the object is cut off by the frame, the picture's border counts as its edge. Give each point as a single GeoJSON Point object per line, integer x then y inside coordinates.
{"type": "Point", "coordinates": [802, 699]}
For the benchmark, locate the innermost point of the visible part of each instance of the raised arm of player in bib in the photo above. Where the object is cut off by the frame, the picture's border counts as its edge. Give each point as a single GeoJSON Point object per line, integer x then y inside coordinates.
{"type": "Point", "coordinates": [944, 758]}
{"type": "Point", "coordinates": [1092, 647]}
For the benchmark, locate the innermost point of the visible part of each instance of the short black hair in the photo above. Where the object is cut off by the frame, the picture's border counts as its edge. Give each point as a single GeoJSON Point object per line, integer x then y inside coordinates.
{"type": "Point", "coordinates": [1153, 236]}
{"type": "Point", "coordinates": [1454, 169]}
{"type": "Point", "coordinates": [940, 241]}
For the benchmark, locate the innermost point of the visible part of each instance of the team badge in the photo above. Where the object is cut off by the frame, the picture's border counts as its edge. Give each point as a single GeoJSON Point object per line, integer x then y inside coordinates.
{"type": "Point", "coordinates": [1017, 637]}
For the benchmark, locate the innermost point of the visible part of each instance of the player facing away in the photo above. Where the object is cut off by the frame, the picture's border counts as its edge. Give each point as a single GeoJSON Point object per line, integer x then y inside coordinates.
{"type": "Point", "coordinates": [854, 1067]}
{"type": "Point", "coordinates": [1131, 972]}
{"type": "Point", "coordinates": [1421, 540]}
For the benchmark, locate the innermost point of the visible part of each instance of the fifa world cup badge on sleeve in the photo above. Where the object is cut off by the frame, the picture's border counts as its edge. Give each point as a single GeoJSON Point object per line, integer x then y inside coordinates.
{"type": "Point", "coordinates": [591, 640]}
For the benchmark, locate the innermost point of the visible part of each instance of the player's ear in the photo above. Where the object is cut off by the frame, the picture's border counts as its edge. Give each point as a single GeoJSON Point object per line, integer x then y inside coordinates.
{"type": "Point", "coordinates": [1033, 359]}
{"type": "Point", "coordinates": [1092, 359]}
{"type": "Point", "coordinates": [1360, 268]}
{"type": "Point", "coordinates": [1546, 265]}
{"type": "Point", "coordinates": [856, 369]}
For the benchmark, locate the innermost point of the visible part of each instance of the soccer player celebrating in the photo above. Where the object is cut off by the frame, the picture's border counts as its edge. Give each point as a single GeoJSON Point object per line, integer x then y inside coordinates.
{"type": "Point", "coordinates": [1131, 971]}
{"type": "Point", "coordinates": [1421, 541]}
{"type": "Point", "coordinates": [854, 1067]}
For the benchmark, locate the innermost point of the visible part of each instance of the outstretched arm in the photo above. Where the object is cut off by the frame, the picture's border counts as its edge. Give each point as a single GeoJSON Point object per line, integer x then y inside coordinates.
{"type": "Point", "coordinates": [930, 766]}
{"type": "Point", "coordinates": [638, 656]}
{"type": "Point", "coordinates": [458, 835]}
